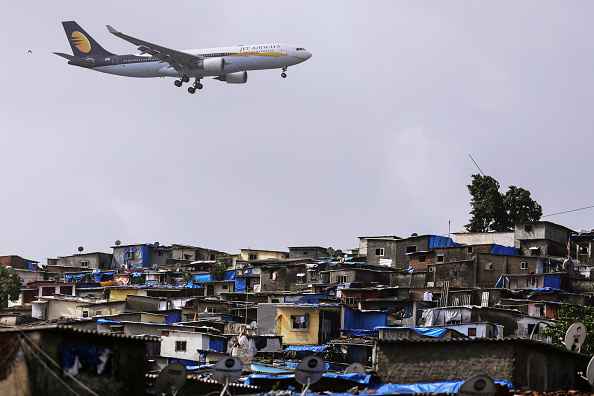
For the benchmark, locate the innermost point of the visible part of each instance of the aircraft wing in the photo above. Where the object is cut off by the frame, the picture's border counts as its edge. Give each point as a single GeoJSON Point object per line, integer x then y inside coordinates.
{"type": "Point", "coordinates": [179, 60]}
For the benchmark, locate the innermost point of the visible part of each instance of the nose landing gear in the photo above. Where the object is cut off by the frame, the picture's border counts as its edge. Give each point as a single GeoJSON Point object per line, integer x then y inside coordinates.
{"type": "Point", "coordinates": [283, 74]}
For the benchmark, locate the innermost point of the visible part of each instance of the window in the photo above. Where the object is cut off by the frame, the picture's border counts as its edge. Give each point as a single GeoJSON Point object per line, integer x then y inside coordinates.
{"type": "Point", "coordinates": [350, 300]}
{"type": "Point", "coordinates": [472, 332]}
{"type": "Point", "coordinates": [252, 256]}
{"type": "Point", "coordinates": [411, 249]}
{"type": "Point", "coordinates": [130, 255]}
{"type": "Point", "coordinates": [379, 251]}
{"type": "Point", "coordinates": [159, 252]}
{"type": "Point", "coordinates": [85, 314]}
{"type": "Point", "coordinates": [341, 279]}
{"type": "Point", "coordinates": [98, 313]}
{"type": "Point", "coordinates": [47, 291]}
{"type": "Point", "coordinates": [273, 275]}
{"type": "Point", "coordinates": [528, 228]}
{"type": "Point", "coordinates": [84, 263]}
{"type": "Point", "coordinates": [225, 287]}
{"type": "Point", "coordinates": [180, 345]}
{"type": "Point", "coordinates": [440, 258]}
{"type": "Point", "coordinates": [212, 310]}
{"type": "Point", "coordinates": [454, 273]}
{"type": "Point", "coordinates": [523, 265]}
{"type": "Point", "coordinates": [300, 322]}
{"type": "Point", "coordinates": [301, 278]}
{"type": "Point", "coordinates": [469, 249]}
{"type": "Point", "coordinates": [66, 290]}
{"type": "Point", "coordinates": [421, 259]}
{"type": "Point", "coordinates": [430, 269]}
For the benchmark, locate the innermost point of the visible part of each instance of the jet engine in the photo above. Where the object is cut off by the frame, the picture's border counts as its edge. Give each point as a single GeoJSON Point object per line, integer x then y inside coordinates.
{"type": "Point", "coordinates": [234, 78]}
{"type": "Point", "coordinates": [213, 64]}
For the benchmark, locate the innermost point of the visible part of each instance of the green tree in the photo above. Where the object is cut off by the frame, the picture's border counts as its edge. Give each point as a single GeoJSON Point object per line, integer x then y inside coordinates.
{"type": "Point", "coordinates": [10, 286]}
{"type": "Point", "coordinates": [567, 316]}
{"type": "Point", "coordinates": [488, 210]}
{"type": "Point", "coordinates": [520, 206]}
{"type": "Point", "coordinates": [493, 211]}
{"type": "Point", "coordinates": [217, 270]}
{"type": "Point", "coordinates": [188, 277]}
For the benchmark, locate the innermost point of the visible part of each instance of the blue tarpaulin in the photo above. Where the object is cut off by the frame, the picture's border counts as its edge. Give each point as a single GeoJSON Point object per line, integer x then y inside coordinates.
{"type": "Point", "coordinates": [99, 275]}
{"type": "Point", "coordinates": [501, 283]}
{"type": "Point", "coordinates": [310, 348]}
{"type": "Point", "coordinates": [229, 276]}
{"type": "Point", "coordinates": [552, 281]}
{"type": "Point", "coordinates": [355, 377]}
{"type": "Point", "coordinates": [75, 277]}
{"type": "Point", "coordinates": [216, 345]}
{"type": "Point", "coordinates": [146, 256]}
{"type": "Point", "coordinates": [87, 355]}
{"type": "Point", "coordinates": [508, 250]}
{"type": "Point", "coordinates": [31, 266]}
{"type": "Point", "coordinates": [355, 319]}
{"type": "Point", "coordinates": [427, 332]}
{"type": "Point", "coordinates": [437, 241]}
{"type": "Point", "coordinates": [241, 285]}
{"type": "Point", "coordinates": [360, 332]}
{"type": "Point", "coordinates": [173, 317]}
{"type": "Point", "coordinates": [429, 387]}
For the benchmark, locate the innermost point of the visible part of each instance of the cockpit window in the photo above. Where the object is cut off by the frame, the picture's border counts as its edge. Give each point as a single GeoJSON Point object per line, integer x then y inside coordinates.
{"type": "Point", "coordinates": [300, 49]}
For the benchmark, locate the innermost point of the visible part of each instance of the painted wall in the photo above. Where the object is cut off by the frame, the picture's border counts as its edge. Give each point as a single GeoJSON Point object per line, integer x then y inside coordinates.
{"type": "Point", "coordinates": [298, 336]}
{"type": "Point", "coordinates": [121, 294]}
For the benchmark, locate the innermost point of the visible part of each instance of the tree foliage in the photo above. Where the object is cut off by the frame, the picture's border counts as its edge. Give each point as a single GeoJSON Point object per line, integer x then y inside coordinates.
{"type": "Point", "coordinates": [568, 315]}
{"type": "Point", "coordinates": [10, 286]}
{"type": "Point", "coordinates": [218, 269]}
{"type": "Point", "coordinates": [493, 211]}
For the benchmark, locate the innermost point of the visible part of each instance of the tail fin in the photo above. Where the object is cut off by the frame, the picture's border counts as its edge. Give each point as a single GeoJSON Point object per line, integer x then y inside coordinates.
{"type": "Point", "coordinates": [82, 43]}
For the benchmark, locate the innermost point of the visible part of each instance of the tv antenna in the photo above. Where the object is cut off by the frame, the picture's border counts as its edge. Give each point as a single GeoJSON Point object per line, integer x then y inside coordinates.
{"type": "Point", "coordinates": [227, 370]}
{"type": "Point", "coordinates": [309, 371]}
{"type": "Point", "coordinates": [171, 379]}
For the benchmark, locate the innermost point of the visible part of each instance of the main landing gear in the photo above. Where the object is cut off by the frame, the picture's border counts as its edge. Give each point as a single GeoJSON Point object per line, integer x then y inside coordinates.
{"type": "Point", "coordinates": [283, 74]}
{"type": "Point", "coordinates": [183, 79]}
{"type": "Point", "coordinates": [195, 86]}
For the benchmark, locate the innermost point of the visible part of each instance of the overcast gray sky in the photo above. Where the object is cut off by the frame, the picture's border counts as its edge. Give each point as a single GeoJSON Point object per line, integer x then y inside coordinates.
{"type": "Point", "coordinates": [371, 136]}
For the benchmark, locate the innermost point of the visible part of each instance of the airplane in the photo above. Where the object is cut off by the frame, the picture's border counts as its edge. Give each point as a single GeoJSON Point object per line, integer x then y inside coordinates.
{"type": "Point", "coordinates": [229, 64]}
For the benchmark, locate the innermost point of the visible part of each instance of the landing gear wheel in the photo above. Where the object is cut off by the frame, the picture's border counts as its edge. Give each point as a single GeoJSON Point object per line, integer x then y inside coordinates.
{"type": "Point", "coordinates": [199, 86]}
{"type": "Point", "coordinates": [178, 83]}
{"type": "Point", "coordinates": [191, 90]}
{"type": "Point", "coordinates": [284, 75]}
{"type": "Point", "coordinates": [185, 78]}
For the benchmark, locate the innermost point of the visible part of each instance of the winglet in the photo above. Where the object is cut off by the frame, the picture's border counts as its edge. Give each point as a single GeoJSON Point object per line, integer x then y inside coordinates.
{"type": "Point", "coordinates": [111, 30]}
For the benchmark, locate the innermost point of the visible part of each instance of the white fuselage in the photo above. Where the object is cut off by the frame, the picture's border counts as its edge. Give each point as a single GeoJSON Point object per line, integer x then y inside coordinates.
{"type": "Point", "coordinates": [237, 58]}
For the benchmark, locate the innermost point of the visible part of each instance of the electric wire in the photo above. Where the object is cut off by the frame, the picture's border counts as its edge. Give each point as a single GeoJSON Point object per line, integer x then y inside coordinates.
{"type": "Point", "coordinates": [50, 370]}
{"type": "Point", "coordinates": [58, 365]}
{"type": "Point", "coordinates": [568, 211]}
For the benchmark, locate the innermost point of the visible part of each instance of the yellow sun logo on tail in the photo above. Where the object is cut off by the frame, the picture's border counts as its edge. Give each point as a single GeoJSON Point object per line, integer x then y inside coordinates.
{"type": "Point", "coordinates": [81, 42]}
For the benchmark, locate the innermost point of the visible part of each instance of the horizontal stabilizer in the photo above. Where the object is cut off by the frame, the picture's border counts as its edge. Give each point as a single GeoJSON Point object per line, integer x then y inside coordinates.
{"type": "Point", "coordinates": [76, 60]}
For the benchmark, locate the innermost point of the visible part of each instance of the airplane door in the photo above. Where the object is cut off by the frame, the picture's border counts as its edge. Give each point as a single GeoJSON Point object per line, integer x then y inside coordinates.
{"type": "Point", "coordinates": [114, 60]}
{"type": "Point", "coordinates": [284, 49]}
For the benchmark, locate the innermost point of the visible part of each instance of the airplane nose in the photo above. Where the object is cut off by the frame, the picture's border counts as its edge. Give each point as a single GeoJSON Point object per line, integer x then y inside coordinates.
{"type": "Point", "coordinates": [307, 55]}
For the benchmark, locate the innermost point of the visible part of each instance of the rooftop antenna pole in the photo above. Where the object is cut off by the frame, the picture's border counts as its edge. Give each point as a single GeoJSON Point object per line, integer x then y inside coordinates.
{"type": "Point", "coordinates": [476, 164]}
{"type": "Point", "coordinates": [449, 227]}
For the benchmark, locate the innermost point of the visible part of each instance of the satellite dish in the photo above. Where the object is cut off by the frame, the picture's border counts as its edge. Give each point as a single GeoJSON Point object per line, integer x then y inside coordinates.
{"type": "Point", "coordinates": [227, 370]}
{"type": "Point", "coordinates": [590, 372]}
{"type": "Point", "coordinates": [355, 368]}
{"type": "Point", "coordinates": [118, 242]}
{"type": "Point", "coordinates": [80, 248]}
{"type": "Point", "coordinates": [575, 336]}
{"type": "Point", "coordinates": [156, 244]}
{"type": "Point", "coordinates": [309, 371]}
{"type": "Point", "coordinates": [171, 379]}
{"type": "Point", "coordinates": [481, 385]}
{"type": "Point", "coordinates": [155, 267]}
